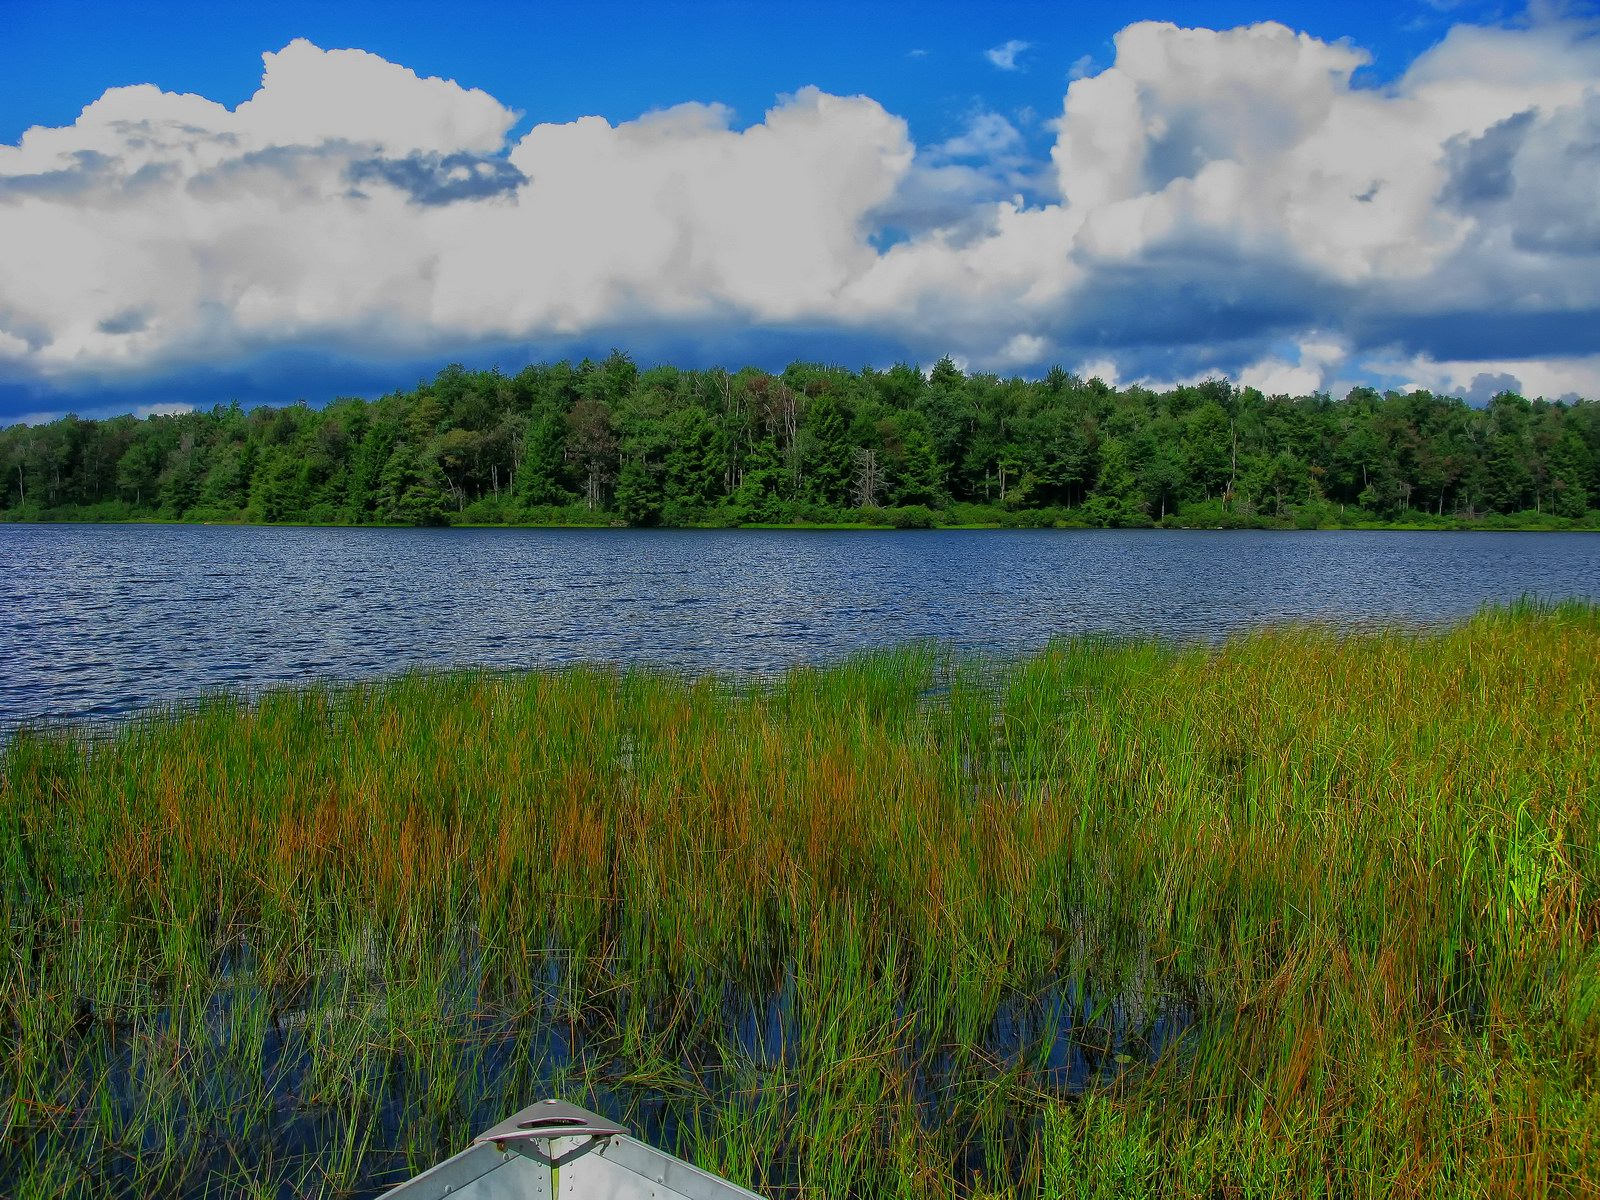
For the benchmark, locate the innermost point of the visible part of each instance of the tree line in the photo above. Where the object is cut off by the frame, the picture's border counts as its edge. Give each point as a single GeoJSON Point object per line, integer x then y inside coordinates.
{"type": "Point", "coordinates": [603, 441]}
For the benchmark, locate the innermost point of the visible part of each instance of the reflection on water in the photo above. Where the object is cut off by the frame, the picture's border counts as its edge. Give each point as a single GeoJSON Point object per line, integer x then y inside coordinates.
{"type": "Point", "coordinates": [99, 620]}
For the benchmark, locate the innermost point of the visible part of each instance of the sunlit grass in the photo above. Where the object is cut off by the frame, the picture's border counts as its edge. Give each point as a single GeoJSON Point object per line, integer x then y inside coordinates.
{"type": "Point", "coordinates": [909, 925]}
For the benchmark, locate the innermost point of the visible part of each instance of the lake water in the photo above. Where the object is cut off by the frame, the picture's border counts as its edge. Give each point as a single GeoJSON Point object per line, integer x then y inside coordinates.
{"type": "Point", "coordinates": [96, 621]}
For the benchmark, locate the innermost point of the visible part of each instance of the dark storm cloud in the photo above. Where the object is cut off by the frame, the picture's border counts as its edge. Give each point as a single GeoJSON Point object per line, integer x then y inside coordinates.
{"type": "Point", "coordinates": [1470, 335]}
{"type": "Point", "coordinates": [1480, 168]}
{"type": "Point", "coordinates": [130, 321]}
{"type": "Point", "coordinates": [323, 374]}
{"type": "Point", "coordinates": [1485, 387]}
{"type": "Point", "coordinates": [315, 376]}
{"type": "Point", "coordinates": [1535, 173]}
{"type": "Point", "coordinates": [1557, 210]}
{"type": "Point", "coordinates": [435, 179]}
{"type": "Point", "coordinates": [1198, 292]}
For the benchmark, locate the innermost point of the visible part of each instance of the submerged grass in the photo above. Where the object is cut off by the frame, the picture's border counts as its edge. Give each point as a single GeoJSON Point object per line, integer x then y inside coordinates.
{"type": "Point", "coordinates": [1307, 913]}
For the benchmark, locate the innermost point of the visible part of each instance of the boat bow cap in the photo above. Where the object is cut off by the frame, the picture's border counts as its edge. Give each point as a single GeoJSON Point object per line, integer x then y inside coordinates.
{"type": "Point", "coordinates": [546, 1120]}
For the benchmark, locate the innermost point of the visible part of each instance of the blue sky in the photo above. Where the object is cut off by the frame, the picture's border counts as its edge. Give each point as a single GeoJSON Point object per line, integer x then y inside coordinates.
{"type": "Point", "coordinates": [557, 62]}
{"type": "Point", "coordinates": [1346, 193]}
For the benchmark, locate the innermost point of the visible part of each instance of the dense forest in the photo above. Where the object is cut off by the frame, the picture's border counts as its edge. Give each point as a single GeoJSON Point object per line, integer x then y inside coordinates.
{"type": "Point", "coordinates": [605, 442]}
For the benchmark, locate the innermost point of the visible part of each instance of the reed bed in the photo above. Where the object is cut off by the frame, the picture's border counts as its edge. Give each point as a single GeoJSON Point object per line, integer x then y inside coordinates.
{"type": "Point", "coordinates": [1306, 913]}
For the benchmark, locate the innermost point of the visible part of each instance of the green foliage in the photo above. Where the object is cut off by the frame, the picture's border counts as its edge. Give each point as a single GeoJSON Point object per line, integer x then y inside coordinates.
{"type": "Point", "coordinates": [918, 475]}
{"type": "Point", "coordinates": [413, 490]}
{"type": "Point", "coordinates": [639, 494]}
{"type": "Point", "coordinates": [672, 447]}
{"type": "Point", "coordinates": [1116, 499]}
{"type": "Point", "coordinates": [910, 516]}
{"type": "Point", "coordinates": [1307, 913]}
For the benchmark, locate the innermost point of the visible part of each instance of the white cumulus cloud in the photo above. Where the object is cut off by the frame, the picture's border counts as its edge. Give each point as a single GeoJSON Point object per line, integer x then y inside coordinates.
{"type": "Point", "coordinates": [160, 228]}
{"type": "Point", "coordinates": [1224, 191]}
{"type": "Point", "coordinates": [1004, 56]}
{"type": "Point", "coordinates": [1214, 201]}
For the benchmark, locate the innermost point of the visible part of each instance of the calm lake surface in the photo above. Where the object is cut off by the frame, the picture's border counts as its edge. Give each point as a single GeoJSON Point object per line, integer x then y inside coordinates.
{"type": "Point", "coordinates": [96, 621]}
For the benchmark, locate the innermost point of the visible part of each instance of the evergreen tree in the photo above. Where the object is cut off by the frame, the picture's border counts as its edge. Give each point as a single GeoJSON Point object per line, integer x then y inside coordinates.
{"type": "Point", "coordinates": [759, 495]}
{"type": "Point", "coordinates": [693, 472]}
{"type": "Point", "coordinates": [829, 454]}
{"type": "Point", "coordinates": [413, 490]}
{"type": "Point", "coordinates": [1568, 482]}
{"type": "Point", "coordinates": [1116, 500]}
{"type": "Point", "coordinates": [918, 479]}
{"type": "Point", "coordinates": [539, 475]}
{"type": "Point", "coordinates": [639, 493]}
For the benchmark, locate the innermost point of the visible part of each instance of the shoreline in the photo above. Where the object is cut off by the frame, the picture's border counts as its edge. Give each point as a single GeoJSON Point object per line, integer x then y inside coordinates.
{"type": "Point", "coordinates": [1570, 526]}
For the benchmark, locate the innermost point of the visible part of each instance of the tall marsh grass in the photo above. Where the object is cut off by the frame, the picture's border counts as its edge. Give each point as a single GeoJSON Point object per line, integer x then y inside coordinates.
{"type": "Point", "coordinates": [1307, 913]}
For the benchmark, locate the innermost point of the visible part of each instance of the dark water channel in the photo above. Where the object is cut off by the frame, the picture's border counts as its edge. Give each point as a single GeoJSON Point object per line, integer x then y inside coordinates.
{"type": "Point", "coordinates": [96, 621]}
{"type": "Point", "coordinates": [259, 1084]}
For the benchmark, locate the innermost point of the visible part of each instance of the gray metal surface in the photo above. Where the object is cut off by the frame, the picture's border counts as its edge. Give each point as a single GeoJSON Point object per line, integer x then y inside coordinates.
{"type": "Point", "coordinates": [481, 1173]}
{"type": "Point", "coordinates": [552, 1150]}
{"type": "Point", "coordinates": [546, 1120]}
{"type": "Point", "coordinates": [628, 1169]}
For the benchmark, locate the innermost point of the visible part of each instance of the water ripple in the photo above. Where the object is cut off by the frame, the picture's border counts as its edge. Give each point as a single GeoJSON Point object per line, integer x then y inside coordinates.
{"type": "Point", "coordinates": [97, 620]}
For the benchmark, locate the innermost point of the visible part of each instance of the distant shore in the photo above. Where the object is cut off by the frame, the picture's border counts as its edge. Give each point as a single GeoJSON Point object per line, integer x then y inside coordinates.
{"type": "Point", "coordinates": [900, 521]}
